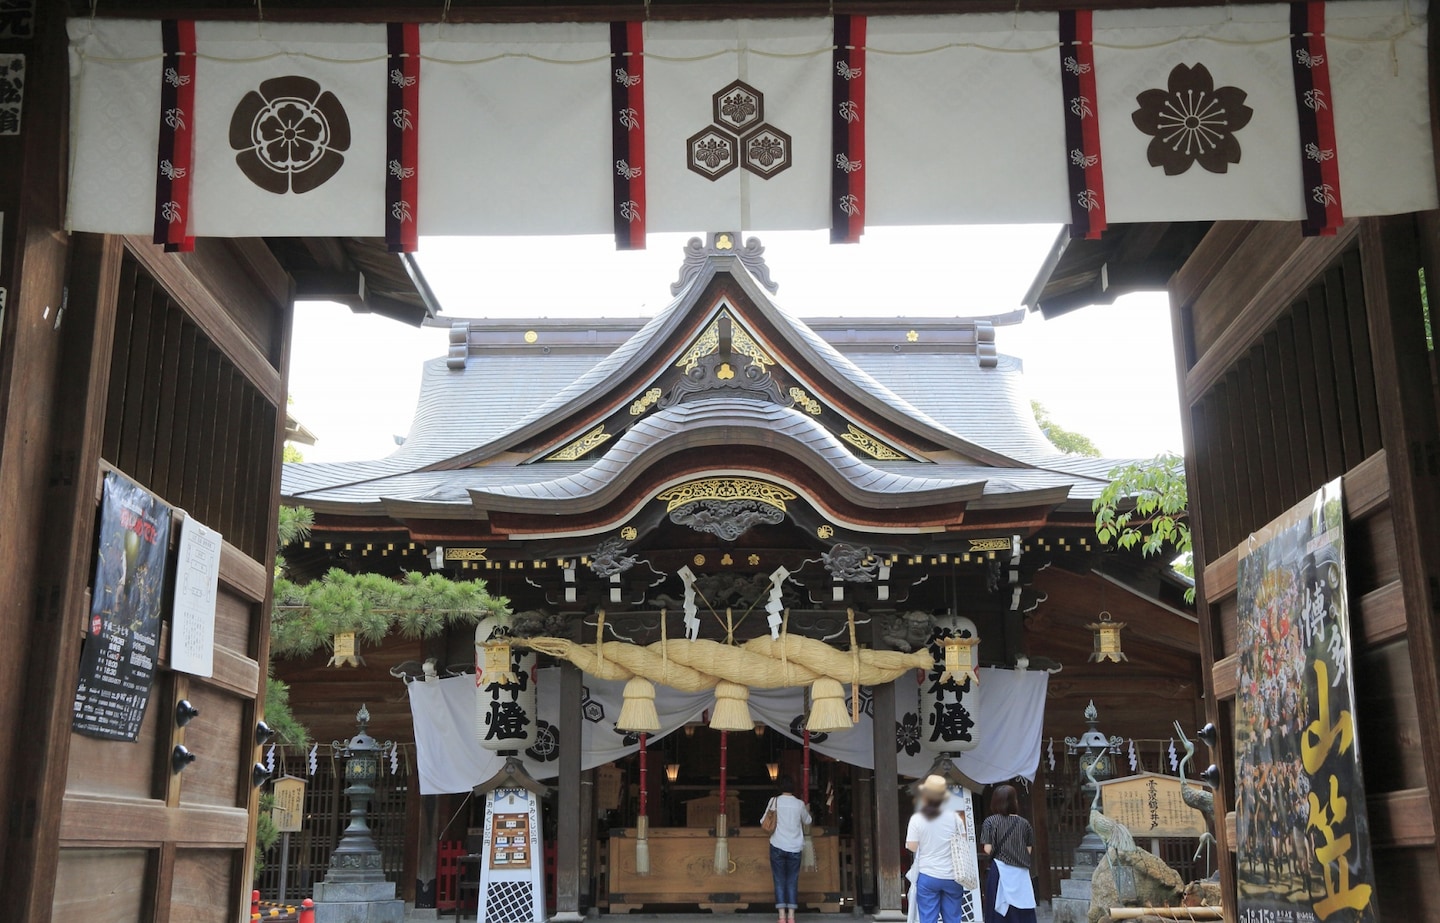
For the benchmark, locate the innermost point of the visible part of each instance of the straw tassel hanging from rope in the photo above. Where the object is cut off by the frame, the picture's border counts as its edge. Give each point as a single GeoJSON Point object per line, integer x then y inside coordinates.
{"type": "Point", "coordinates": [722, 823]}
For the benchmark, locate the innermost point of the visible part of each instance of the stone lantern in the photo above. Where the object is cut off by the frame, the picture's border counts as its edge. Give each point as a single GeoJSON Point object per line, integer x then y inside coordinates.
{"type": "Point", "coordinates": [1095, 750]}
{"type": "Point", "coordinates": [355, 889]}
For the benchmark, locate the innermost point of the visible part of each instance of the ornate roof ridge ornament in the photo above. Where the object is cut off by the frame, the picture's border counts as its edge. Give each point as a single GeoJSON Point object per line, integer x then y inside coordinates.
{"type": "Point", "coordinates": [723, 243]}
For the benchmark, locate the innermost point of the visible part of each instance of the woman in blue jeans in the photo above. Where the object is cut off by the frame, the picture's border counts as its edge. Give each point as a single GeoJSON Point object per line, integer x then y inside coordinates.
{"type": "Point", "coordinates": [786, 844]}
{"type": "Point", "coordinates": [938, 895]}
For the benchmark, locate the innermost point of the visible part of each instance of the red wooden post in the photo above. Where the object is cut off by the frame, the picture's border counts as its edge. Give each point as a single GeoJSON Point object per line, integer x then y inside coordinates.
{"type": "Point", "coordinates": [254, 902]}
{"type": "Point", "coordinates": [724, 763]}
{"type": "Point", "coordinates": [805, 770]}
{"type": "Point", "coordinates": [644, 777]}
{"type": "Point", "coordinates": [307, 911]}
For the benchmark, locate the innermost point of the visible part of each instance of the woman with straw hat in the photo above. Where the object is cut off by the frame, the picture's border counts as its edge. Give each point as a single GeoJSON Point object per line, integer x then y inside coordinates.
{"type": "Point", "coordinates": [938, 896]}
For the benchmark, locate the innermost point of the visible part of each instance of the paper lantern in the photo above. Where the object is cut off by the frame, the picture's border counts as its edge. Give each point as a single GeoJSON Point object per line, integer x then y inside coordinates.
{"type": "Point", "coordinates": [504, 690]}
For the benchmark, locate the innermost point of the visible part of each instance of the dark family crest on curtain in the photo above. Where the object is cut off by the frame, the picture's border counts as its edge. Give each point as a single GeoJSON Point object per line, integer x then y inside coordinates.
{"type": "Point", "coordinates": [1302, 835]}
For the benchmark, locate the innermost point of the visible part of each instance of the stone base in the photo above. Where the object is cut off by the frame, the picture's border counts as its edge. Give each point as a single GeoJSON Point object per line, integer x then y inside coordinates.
{"type": "Point", "coordinates": [1069, 910]}
{"type": "Point", "coordinates": [357, 902]}
{"type": "Point", "coordinates": [360, 912]}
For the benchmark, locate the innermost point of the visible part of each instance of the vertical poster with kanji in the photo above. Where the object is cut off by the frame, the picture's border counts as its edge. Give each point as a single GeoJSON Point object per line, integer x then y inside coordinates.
{"type": "Point", "coordinates": [122, 640]}
{"type": "Point", "coordinates": [1302, 836]}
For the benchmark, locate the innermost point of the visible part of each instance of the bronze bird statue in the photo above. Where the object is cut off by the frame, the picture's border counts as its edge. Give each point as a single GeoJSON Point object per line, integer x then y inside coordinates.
{"type": "Point", "coordinates": [1201, 799]}
{"type": "Point", "coordinates": [1115, 835]}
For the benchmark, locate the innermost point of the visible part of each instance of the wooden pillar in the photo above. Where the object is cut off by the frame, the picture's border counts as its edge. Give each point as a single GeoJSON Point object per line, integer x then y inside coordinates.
{"type": "Point", "coordinates": [1208, 615]}
{"type": "Point", "coordinates": [427, 857]}
{"type": "Point", "coordinates": [889, 881]}
{"type": "Point", "coordinates": [1391, 253]}
{"type": "Point", "coordinates": [567, 826]}
{"type": "Point", "coordinates": [45, 429]}
{"type": "Point", "coordinates": [1040, 822]}
{"type": "Point", "coordinates": [864, 838]}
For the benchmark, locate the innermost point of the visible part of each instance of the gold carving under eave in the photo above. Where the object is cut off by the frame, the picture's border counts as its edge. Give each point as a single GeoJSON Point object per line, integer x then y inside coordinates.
{"type": "Point", "coordinates": [725, 489]}
{"type": "Point", "coordinates": [989, 544]}
{"type": "Point", "coordinates": [708, 343]}
{"type": "Point", "coordinates": [869, 444]}
{"type": "Point", "coordinates": [645, 402]}
{"type": "Point", "coordinates": [466, 554]}
{"type": "Point", "coordinates": [805, 401]}
{"type": "Point", "coordinates": [584, 444]}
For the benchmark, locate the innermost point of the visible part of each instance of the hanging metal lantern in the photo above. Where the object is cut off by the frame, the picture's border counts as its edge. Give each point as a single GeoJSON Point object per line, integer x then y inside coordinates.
{"type": "Point", "coordinates": [960, 660]}
{"type": "Point", "coordinates": [343, 651]}
{"type": "Point", "coordinates": [504, 690]}
{"type": "Point", "coordinates": [1107, 639]}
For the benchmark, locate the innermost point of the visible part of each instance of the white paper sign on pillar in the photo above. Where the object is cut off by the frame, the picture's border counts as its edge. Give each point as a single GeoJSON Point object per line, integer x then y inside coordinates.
{"type": "Point", "coordinates": [197, 578]}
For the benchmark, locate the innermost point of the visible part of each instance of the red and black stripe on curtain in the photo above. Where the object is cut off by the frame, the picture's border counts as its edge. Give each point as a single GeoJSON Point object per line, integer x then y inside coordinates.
{"type": "Point", "coordinates": [1319, 165]}
{"type": "Point", "coordinates": [175, 162]}
{"type": "Point", "coordinates": [847, 137]}
{"type": "Point", "coordinates": [1082, 124]}
{"type": "Point", "coordinates": [627, 132]}
{"type": "Point", "coordinates": [402, 138]}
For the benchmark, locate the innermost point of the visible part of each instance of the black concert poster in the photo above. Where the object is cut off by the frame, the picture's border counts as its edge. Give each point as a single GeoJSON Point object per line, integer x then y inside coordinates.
{"type": "Point", "coordinates": [122, 639]}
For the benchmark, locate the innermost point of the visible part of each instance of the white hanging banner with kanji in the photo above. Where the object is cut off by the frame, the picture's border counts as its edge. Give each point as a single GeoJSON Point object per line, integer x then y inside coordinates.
{"type": "Point", "coordinates": [1307, 111]}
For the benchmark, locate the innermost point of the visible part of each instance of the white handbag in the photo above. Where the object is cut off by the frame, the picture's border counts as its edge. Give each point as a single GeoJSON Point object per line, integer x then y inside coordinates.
{"type": "Point", "coordinates": [962, 856]}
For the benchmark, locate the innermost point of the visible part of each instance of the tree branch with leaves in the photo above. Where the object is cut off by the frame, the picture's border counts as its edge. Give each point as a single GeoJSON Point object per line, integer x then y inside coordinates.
{"type": "Point", "coordinates": [1146, 504]}
{"type": "Point", "coordinates": [306, 617]}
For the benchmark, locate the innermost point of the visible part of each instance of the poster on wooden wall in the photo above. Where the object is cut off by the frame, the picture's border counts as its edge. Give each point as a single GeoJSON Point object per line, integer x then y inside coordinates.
{"type": "Point", "coordinates": [122, 640]}
{"type": "Point", "coordinates": [197, 580]}
{"type": "Point", "coordinates": [1302, 836]}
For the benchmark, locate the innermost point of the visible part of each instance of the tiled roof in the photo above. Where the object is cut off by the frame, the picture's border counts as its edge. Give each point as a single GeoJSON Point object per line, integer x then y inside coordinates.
{"type": "Point", "coordinates": [470, 411]}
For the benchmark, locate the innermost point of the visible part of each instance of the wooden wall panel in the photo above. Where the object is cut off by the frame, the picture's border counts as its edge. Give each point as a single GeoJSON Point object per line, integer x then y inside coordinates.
{"type": "Point", "coordinates": [101, 884]}
{"type": "Point", "coordinates": [233, 616]}
{"type": "Point", "coordinates": [202, 875]}
{"type": "Point", "coordinates": [214, 738]}
{"type": "Point", "coordinates": [98, 767]}
{"type": "Point", "coordinates": [1284, 388]}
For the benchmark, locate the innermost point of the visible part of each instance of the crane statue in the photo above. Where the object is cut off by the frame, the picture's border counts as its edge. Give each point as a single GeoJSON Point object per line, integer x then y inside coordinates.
{"type": "Point", "coordinates": [1114, 834]}
{"type": "Point", "coordinates": [1127, 873]}
{"type": "Point", "coordinates": [1202, 800]}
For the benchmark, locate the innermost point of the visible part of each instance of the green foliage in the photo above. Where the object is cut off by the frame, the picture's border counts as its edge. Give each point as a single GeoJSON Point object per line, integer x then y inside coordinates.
{"type": "Point", "coordinates": [307, 616]}
{"type": "Point", "coordinates": [1156, 515]}
{"type": "Point", "coordinates": [291, 454]}
{"type": "Point", "coordinates": [1071, 443]}
{"type": "Point", "coordinates": [266, 836]}
{"type": "Point", "coordinates": [288, 731]}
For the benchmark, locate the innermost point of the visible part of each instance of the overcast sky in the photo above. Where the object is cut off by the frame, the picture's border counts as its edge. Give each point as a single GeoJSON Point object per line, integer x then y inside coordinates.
{"type": "Point", "coordinates": [1106, 371]}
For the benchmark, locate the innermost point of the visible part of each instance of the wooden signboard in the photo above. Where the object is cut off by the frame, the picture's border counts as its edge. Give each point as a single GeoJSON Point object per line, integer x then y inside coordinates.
{"type": "Point", "coordinates": [289, 809]}
{"type": "Point", "coordinates": [510, 842]}
{"type": "Point", "coordinates": [1150, 805]}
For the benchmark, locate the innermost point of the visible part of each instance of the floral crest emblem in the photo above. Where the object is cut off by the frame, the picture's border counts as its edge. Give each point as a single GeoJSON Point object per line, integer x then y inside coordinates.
{"type": "Point", "coordinates": [1191, 121]}
{"type": "Point", "coordinates": [289, 135]}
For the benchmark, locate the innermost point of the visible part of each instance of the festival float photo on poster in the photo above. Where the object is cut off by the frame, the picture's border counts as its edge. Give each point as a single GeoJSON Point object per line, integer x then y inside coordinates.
{"type": "Point", "coordinates": [1302, 837]}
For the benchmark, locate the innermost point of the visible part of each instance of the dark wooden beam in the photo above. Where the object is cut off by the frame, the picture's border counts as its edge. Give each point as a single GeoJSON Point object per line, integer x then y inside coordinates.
{"type": "Point", "coordinates": [1391, 252]}
{"type": "Point", "coordinates": [567, 824]}
{"type": "Point", "coordinates": [887, 808]}
{"type": "Point", "coordinates": [570, 11]}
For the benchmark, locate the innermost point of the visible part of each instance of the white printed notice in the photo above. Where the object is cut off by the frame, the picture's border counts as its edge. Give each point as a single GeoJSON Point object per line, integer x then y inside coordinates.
{"type": "Point", "coordinates": [197, 576]}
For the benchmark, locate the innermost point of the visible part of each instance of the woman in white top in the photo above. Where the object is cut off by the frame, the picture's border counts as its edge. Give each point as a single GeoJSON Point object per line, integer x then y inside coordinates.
{"type": "Point", "coordinates": [938, 895]}
{"type": "Point", "coordinates": [786, 844]}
